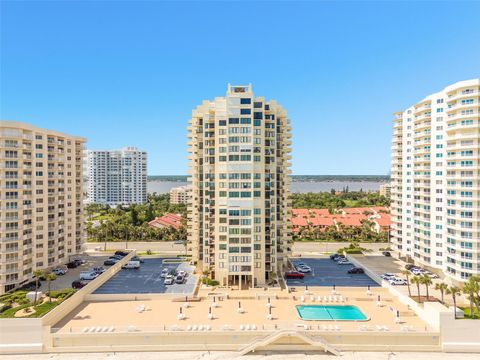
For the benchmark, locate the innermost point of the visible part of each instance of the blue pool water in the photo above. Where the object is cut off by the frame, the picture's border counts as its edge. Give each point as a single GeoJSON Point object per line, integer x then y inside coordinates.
{"type": "Point", "coordinates": [330, 312]}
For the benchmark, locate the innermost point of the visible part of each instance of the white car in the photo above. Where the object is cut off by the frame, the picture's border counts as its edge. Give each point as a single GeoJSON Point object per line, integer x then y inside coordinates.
{"type": "Point", "coordinates": [344, 262]}
{"type": "Point", "coordinates": [164, 273]}
{"type": "Point", "coordinates": [388, 276]}
{"type": "Point", "coordinates": [304, 269]}
{"type": "Point", "coordinates": [182, 273]}
{"type": "Point", "coordinates": [397, 281]}
{"type": "Point", "coordinates": [169, 280]}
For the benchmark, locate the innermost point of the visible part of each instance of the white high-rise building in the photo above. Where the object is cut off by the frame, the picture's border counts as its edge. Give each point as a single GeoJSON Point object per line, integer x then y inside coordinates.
{"type": "Point", "coordinates": [116, 177]}
{"type": "Point", "coordinates": [436, 181]}
{"type": "Point", "coordinates": [41, 201]}
{"type": "Point", "coordinates": [238, 224]}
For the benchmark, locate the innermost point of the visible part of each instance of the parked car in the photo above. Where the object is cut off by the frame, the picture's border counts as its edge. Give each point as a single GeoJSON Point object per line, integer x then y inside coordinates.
{"type": "Point", "coordinates": [118, 257]}
{"type": "Point", "coordinates": [339, 258]}
{"type": "Point", "coordinates": [136, 258]}
{"type": "Point", "coordinates": [344, 262]}
{"type": "Point", "coordinates": [164, 273]}
{"type": "Point", "coordinates": [182, 272]}
{"type": "Point", "coordinates": [59, 271]}
{"type": "Point", "coordinates": [294, 275]}
{"type": "Point", "coordinates": [386, 253]}
{"type": "Point", "coordinates": [169, 280]}
{"type": "Point", "coordinates": [109, 262]}
{"type": "Point", "coordinates": [397, 281]}
{"type": "Point", "coordinates": [388, 276]}
{"type": "Point", "coordinates": [99, 270]}
{"type": "Point", "coordinates": [304, 269]}
{"type": "Point", "coordinates": [132, 265]}
{"type": "Point", "coordinates": [72, 265]}
{"type": "Point", "coordinates": [178, 242]}
{"type": "Point", "coordinates": [121, 253]}
{"type": "Point", "coordinates": [88, 275]}
{"type": "Point", "coordinates": [78, 284]}
{"type": "Point", "coordinates": [409, 266]}
{"type": "Point", "coordinates": [334, 256]}
{"type": "Point", "coordinates": [356, 270]}
{"type": "Point", "coordinates": [78, 261]}
{"type": "Point", "coordinates": [180, 279]}
{"type": "Point", "coordinates": [417, 271]}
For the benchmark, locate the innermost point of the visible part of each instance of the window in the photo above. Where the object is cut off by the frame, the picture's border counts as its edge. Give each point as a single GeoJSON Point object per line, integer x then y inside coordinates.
{"type": "Point", "coordinates": [245, 101]}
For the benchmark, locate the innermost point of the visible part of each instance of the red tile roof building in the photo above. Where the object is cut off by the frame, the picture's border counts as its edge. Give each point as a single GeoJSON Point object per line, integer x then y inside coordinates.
{"type": "Point", "coordinates": [167, 220]}
{"type": "Point", "coordinates": [321, 218]}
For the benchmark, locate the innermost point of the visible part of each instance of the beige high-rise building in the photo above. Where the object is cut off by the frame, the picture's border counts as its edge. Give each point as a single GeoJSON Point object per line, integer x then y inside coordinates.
{"type": "Point", "coordinates": [180, 194]}
{"type": "Point", "coordinates": [385, 189]}
{"type": "Point", "coordinates": [436, 181]}
{"type": "Point", "coordinates": [41, 200]}
{"type": "Point", "coordinates": [239, 172]}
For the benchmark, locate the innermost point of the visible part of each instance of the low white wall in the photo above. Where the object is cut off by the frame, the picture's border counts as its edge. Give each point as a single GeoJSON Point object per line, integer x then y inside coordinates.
{"type": "Point", "coordinates": [21, 335]}
{"type": "Point", "coordinates": [461, 335]}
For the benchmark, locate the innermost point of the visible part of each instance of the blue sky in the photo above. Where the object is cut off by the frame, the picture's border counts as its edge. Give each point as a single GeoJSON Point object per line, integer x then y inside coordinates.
{"type": "Point", "coordinates": [130, 73]}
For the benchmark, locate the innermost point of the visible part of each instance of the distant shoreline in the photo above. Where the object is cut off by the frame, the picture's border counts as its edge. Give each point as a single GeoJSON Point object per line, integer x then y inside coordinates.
{"type": "Point", "coordinates": [295, 178]}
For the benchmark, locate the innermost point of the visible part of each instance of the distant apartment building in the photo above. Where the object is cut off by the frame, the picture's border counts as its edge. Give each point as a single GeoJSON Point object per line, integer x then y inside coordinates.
{"type": "Point", "coordinates": [116, 177]}
{"type": "Point", "coordinates": [436, 181]}
{"type": "Point", "coordinates": [238, 224]}
{"type": "Point", "coordinates": [385, 189]}
{"type": "Point", "coordinates": [41, 201]}
{"type": "Point", "coordinates": [180, 194]}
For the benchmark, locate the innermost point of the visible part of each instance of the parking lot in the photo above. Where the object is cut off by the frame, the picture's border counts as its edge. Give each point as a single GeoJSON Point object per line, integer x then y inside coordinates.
{"type": "Point", "coordinates": [65, 281]}
{"type": "Point", "coordinates": [326, 272]}
{"type": "Point", "coordinates": [147, 280]}
{"type": "Point", "coordinates": [380, 264]}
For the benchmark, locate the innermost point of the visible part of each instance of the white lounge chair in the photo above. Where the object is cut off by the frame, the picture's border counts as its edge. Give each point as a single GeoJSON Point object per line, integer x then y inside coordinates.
{"type": "Point", "coordinates": [208, 328]}
{"type": "Point", "coordinates": [189, 327]}
{"type": "Point", "coordinates": [324, 327]}
{"type": "Point", "coordinates": [105, 329]}
{"type": "Point", "coordinates": [194, 328]}
{"type": "Point", "coordinates": [337, 328]}
{"type": "Point", "coordinates": [111, 329]}
{"type": "Point", "coordinates": [330, 327]}
{"type": "Point", "coordinates": [302, 298]}
{"type": "Point", "coordinates": [312, 298]}
{"type": "Point", "coordinates": [379, 328]}
{"type": "Point", "coordinates": [200, 327]}
{"type": "Point", "coordinates": [254, 327]}
{"type": "Point", "coordinates": [319, 298]}
{"type": "Point", "coordinates": [385, 328]}
{"type": "Point", "coordinates": [247, 327]}
{"type": "Point", "coordinates": [325, 299]}
{"type": "Point", "coordinates": [242, 327]}
{"type": "Point", "coordinates": [85, 329]}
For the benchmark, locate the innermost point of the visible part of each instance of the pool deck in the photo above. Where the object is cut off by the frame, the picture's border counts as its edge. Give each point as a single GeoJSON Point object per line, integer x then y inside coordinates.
{"type": "Point", "coordinates": [161, 314]}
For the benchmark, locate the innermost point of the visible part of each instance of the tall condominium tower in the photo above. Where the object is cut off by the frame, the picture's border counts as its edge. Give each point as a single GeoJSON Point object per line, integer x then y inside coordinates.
{"type": "Point", "coordinates": [436, 181]}
{"type": "Point", "coordinates": [41, 200]}
{"type": "Point", "coordinates": [239, 164]}
{"type": "Point", "coordinates": [116, 177]}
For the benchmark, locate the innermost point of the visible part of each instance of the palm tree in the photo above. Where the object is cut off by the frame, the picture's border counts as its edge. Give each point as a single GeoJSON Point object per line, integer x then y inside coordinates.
{"type": "Point", "coordinates": [37, 274]}
{"type": "Point", "coordinates": [406, 273]}
{"type": "Point", "coordinates": [50, 277]}
{"type": "Point", "coordinates": [442, 287]}
{"type": "Point", "coordinates": [427, 282]}
{"type": "Point", "coordinates": [454, 291]}
{"type": "Point", "coordinates": [417, 280]}
{"type": "Point", "coordinates": [471, 288]}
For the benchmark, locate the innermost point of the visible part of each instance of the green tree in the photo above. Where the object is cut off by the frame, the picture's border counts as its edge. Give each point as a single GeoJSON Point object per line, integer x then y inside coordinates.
{"type": "Point", "coordinates": [471, 288]}
{"type": "Point", "coordinates": [50, 277]}
{"type": "Point", "coordinates": [425, 280]}
{"type": "Point", "coordinates": [442, 287]}
{"type": "Point", "coordinates": [454, 291]}
{"type": "Point", "coordinates": [417, 280]}
{"type": "Point", "coordinates": [37, 274]}
{"type": "Point", "coordinates": [407, 274]}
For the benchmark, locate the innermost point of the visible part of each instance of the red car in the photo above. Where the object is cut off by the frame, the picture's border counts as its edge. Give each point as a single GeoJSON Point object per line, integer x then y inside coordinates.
{"type": "Point", "coordinates": [294, 275]}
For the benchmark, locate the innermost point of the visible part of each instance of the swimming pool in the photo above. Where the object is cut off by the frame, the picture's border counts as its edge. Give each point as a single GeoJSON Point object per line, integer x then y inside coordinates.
{"type": "Point", "coordinates": [330, 312]}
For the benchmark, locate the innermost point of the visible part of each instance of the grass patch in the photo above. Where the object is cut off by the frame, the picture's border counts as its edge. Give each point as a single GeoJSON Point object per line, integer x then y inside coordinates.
{"type": "Point", "coordinates": [468, 315]}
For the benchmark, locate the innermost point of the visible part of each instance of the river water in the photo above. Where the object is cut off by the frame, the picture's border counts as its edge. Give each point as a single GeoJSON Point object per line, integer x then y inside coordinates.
{"type": "Point", "coordinates": [162, 187]}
